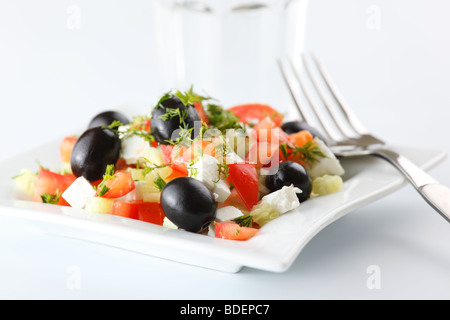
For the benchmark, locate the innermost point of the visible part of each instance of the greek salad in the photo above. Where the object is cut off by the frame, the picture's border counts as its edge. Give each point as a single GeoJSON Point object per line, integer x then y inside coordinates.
{"type": "Point", "coordinates": [190, 164]}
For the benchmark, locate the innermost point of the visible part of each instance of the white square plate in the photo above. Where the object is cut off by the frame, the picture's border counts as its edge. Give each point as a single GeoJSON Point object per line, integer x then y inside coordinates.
{"type": "Point", "coordinates": [274, 249]}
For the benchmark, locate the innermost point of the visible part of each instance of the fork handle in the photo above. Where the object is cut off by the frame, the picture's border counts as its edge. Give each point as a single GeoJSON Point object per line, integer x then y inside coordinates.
{"type": "Point", "coordinates": [436, 194]}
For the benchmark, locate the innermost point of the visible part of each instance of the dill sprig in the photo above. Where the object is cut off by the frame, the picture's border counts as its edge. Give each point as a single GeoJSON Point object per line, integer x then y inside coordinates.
{"type": "Point", "coordinates": [244, 221]}
{"type": "Point", "coordinates": [309, 152]}
{"type": "Point", "coordinates": [189, 97]}
{"type": "Point", "coordinates": [174, 112]}
{"type": "Point", "coordinates": [146, 168]}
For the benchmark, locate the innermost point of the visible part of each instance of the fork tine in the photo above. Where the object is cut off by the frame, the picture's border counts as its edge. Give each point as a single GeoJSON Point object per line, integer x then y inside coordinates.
{"type": "Point", "coordinates": [343, 127]}
{"type": "Point", "coordinates": [346, 110]}
{"type": "Point", "coordinates": [294, 96]}
{"type": "Point", "coordinates": [299, 83]}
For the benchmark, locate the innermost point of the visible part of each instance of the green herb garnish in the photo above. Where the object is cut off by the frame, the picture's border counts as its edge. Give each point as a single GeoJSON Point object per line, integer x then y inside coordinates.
{"type": "Point", "coordinates": [159, 182]}
{"type": "Point", "coordinates": [309, 152]}
{"type": "Point", "coordinates": [190, 97]}
{"type": "Point", "coordinates": [108, 175]}
{"type": "Point", "coordinates": [222, 119]}
{"type": "Point", "coordinates": [51, 198]}
{"type": "Point", "coordinates": [244, 221]}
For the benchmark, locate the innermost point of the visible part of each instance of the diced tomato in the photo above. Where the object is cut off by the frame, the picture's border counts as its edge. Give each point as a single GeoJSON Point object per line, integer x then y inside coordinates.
{"type": "Point", "coordinates": [139, 210]}
{"type": "Point", "coordinates": [244, 178]}
{"type": "Point", "coordinates": [300, 138]}
{"type": "Point", "coordinates": [179, 157]}
{"type": "Point", "coordinates": [177, 172]}
{"type": "Point", "coordinates": [127, 209]}
{"type": "Point", "coordinates": [197, 148]}
{"type": "Point", "coordinates": [232, 231]}
{"type": "Point", "coordinates": [121, 184]}
{"type": "Point", "coordinates": [121, 164]}
{"type": "Point", "coordinates": [253, 113]}
{"type": "Point", "coordinates": [166, 151]}
{"type": "Point", "coordinates": [234, 199]}
{"type": "Point", "coordinates": [262, 153]}
{"type": "Point", "coordinates": [201, 112]}
{"type": "Point", "coordinates": [52, 183]}
{"type": "Point", "coordinates": [297, 139]}
{"type": "Point", "coordinates": [151, 212]}
{"type": "Point", "coordinates": [267, 131]}
{"type": "Point", "coordinates": [291, 156]}
{"type": "Point", "coordinates": [65, 148]}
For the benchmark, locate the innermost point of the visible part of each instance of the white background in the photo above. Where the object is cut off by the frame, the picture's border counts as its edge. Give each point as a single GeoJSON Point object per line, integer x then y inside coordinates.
{"type": "Point", "coordinates": [52, 79]}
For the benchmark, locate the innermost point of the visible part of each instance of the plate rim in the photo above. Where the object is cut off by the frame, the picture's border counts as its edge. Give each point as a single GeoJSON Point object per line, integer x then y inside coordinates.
{"type": "Point", "coordinates": [214, 260]}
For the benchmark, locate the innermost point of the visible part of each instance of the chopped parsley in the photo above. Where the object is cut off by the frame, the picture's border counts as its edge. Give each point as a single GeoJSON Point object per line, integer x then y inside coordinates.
{"type": "Point", "coordinates": [159, 182]}
{"type": "Point", "coordinates": [109, 174]}
{"type": "Point", "coordinates": [51, 198]}
{"type": "Point", "coordinates": [221, 118]}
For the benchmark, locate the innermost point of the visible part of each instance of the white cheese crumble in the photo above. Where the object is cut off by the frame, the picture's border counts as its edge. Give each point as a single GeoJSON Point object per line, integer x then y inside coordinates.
{"type": "Point", "coordinates": [78, 193]}
{"type": "Point", "coordinates": [228, 213]}
{"type": "Point", "coordinates": [133, 148]}
{"type": "Point", "coordinates": [206, 170]}
{"type": "Point", "coordinates": [328, 165]}
{"type": "Point", "coordinates": [283, 200]}
{"type": "Point", "coordinates": [222, 191]}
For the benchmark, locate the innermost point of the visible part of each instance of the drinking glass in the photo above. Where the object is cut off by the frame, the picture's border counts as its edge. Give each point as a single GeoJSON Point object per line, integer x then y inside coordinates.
{"type": "Point", "coordinates": [228, 49]}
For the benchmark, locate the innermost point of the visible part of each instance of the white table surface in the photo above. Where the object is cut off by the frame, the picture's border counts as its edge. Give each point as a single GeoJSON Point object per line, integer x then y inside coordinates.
{"type": "Point", "coordinates": [396, 77]}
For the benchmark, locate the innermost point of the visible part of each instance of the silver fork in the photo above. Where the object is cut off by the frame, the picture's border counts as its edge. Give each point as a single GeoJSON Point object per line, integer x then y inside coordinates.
{"type": "Point", "coordinates": [345, 134]}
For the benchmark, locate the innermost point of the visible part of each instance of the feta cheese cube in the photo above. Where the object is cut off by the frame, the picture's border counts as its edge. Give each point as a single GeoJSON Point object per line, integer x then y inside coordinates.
{"type": "Point", "coordinates": [283, 200]}
{"type": "Point", "coordinates": [133, 148]}
{"type": "Point", "coordinates": [228, 213]}
{"type": "Point", "coordinates": [169, 224]}
{"type": "Point", "coordinates": [222, 191]}
{"type": "Point", "coordinates": [78, 193]}
{"type": "Point", "coordinates": [328, 165]}
{"type": "Point", "coordinates": [206, 170]}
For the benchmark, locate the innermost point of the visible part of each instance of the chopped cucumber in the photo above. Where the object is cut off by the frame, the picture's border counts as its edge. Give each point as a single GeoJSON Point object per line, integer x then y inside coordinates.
{"type": "Point", "coordinates": [263, 213]}
{"type": "Point", "coordinates": [326, 184]}
{"type": "Point", "coordinates": [154, 156]}
{"type": "Point", "coordinates": [25, 181]}
{"type": "Point", "coordinates": [99, 205]}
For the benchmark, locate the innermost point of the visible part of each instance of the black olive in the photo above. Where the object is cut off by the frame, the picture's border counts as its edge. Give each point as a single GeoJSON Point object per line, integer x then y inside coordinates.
{"type": "Point", "coordinates": [296, 126]}
{"type": "Point", "coordinates": [290, 172]}
{"type": "Point", "coordinates": [94, 150]}
{"type": "Point", "coordinates": [166, 123]}
{"type": "Point", "coordinates": [188, 203]}
{"type": "Point", "coordinates": [106, 118]}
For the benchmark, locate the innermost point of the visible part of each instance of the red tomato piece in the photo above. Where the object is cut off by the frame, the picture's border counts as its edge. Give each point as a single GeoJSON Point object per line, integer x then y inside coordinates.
{"type": "Point", "coordinates": [177, 172]}
{"type": "Point", "coordinates": [234, 199]}
{"type": "Point", "coordinates": [301, 138]}
{"type": "Point", "coordinates": [166, 151]}
{"type": "Point", "coordinates": [52, 183]}
{"type": "Point", "coordinates": [151, 212]}
{"type": "Point", "coordinates": [244, 178]}
{"type": "Point", "coordinates": [253, 113]}
{"type": "Point", "coordinates": [139, 210]}
{"type": "Point", "coordinates": [65, 148]}
{"type": "Point", "coordinates": [262, 153]}
{"type": "Point", "coordinates": [127, 209]}
{"type": "Point", "coordinates": [201, 112]}
{"type": "Point", "coordinates": [297, 139]}
{"type": "Point", "coordinates": [121, 184]}
{"type": "Point", "coordinates": [233, 231]}
{"type": "Point", "coordinates": [267, 131]}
